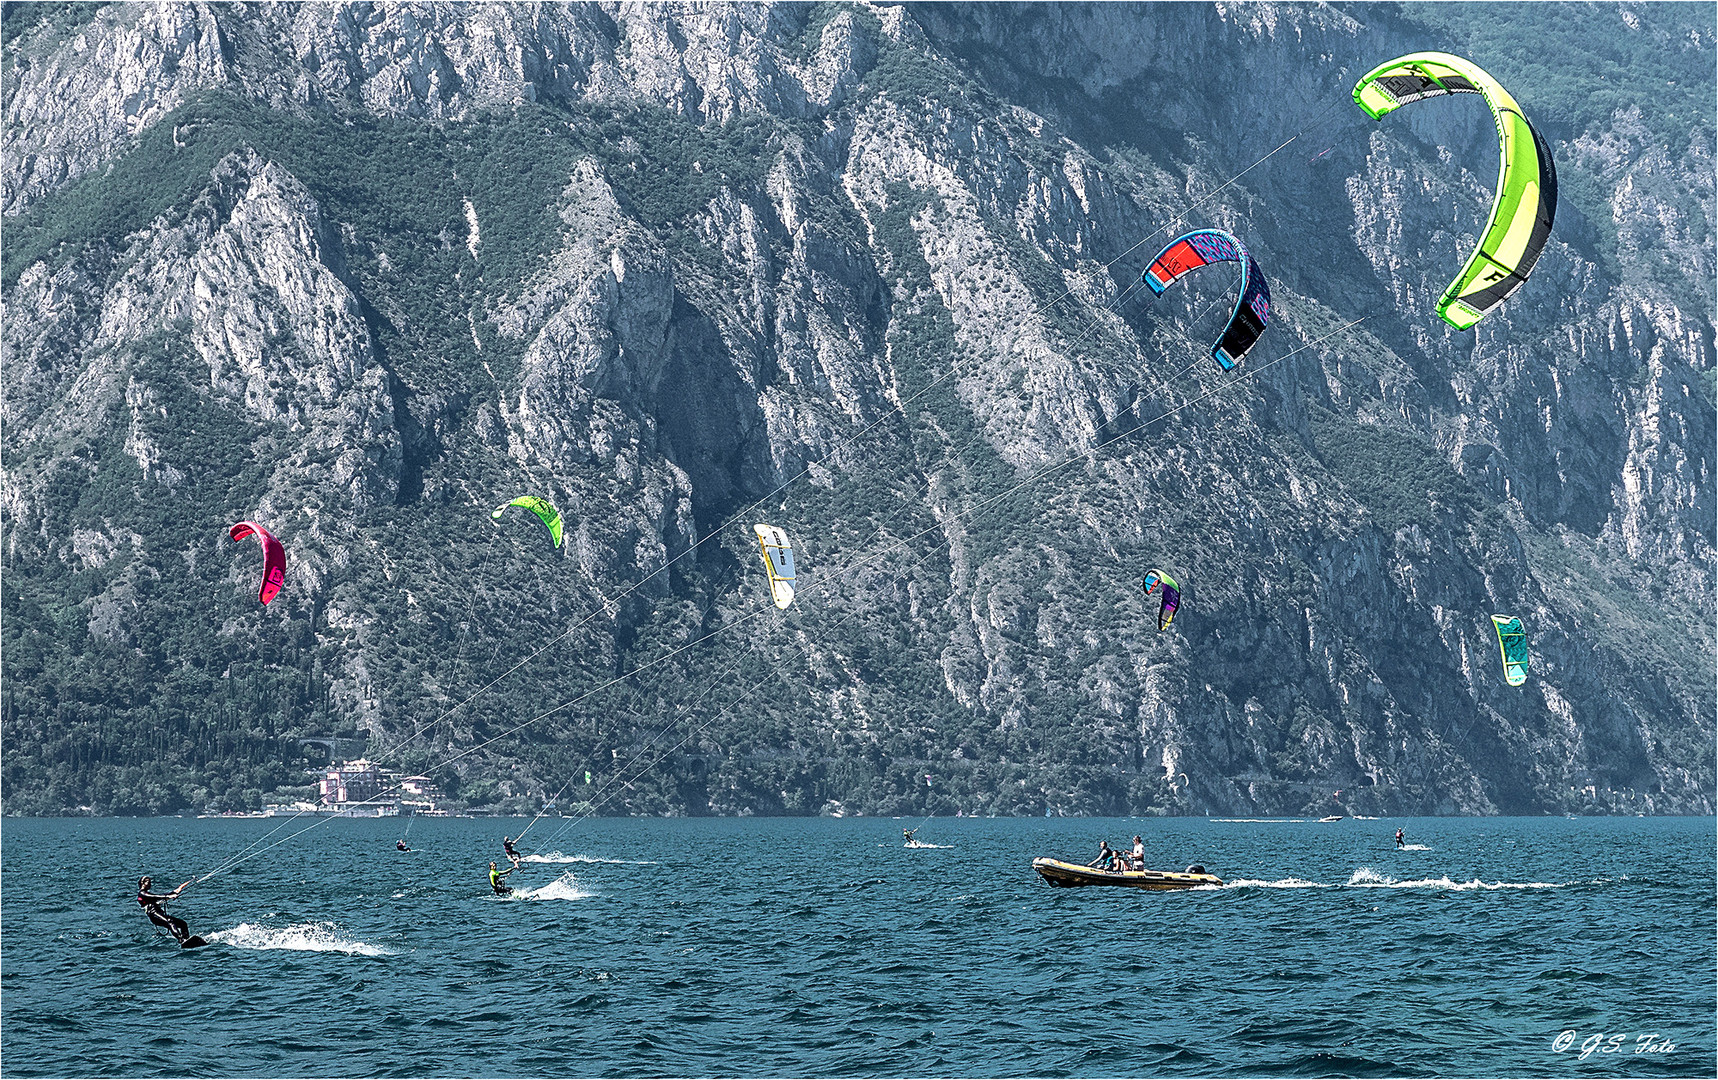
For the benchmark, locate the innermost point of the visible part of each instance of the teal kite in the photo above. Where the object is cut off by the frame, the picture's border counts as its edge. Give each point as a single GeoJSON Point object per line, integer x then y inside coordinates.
{"type": "Point", "coordinates": [1512, 640]}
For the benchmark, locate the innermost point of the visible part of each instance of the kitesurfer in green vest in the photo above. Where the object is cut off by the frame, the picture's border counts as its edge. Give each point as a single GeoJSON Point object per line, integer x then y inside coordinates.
{"type": "Point", "coordinates": [908, 833]}
{"type": "Point", "coordinates": [501, 888]}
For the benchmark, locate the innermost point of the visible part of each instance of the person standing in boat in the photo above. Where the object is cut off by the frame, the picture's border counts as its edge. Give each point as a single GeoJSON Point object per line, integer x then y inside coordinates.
{"type": "Point", "coordinates": [1138, 853]}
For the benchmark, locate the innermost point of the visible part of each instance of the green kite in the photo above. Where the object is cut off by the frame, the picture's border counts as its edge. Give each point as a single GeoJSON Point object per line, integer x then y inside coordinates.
{"type": "Point", "coordinates": [1526, 198]}
{"type": "Point", "coordinates": [546, 513]}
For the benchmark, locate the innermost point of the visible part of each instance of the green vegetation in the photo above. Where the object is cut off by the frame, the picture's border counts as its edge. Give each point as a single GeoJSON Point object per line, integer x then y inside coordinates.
{"type": "Point", "coordinates": [58, 17]}
{"type": "Point", "coordinates": [1625, 54]}
{"type": "Point", "coordinates": [1399, 478]}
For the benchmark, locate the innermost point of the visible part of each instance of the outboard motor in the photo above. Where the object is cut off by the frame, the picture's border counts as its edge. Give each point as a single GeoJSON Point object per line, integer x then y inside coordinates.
{"type": "Point", "coordinates": [1195, 869]}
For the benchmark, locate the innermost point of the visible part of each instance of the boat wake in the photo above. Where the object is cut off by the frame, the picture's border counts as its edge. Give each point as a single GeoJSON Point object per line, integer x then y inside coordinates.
{"type": "Point", "coordinates": [565, 887]}
{"type": "Point", "coordinates": [1280, 883]}
{"type": "Point", "coordinates": [301, 937]}
{"type": "Point", "coordinates": [557, 857]}
{"type": "Point", "coordinates": [1368, 878]}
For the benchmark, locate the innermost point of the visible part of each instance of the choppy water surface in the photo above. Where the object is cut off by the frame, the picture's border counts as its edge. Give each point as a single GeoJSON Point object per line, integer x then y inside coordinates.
{"type": "Point", "coordinates": [822, 947]}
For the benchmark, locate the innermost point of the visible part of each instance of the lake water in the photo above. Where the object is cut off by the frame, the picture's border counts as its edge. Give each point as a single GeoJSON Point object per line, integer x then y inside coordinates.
{"type": "Point", "coordinates": [787, 947]}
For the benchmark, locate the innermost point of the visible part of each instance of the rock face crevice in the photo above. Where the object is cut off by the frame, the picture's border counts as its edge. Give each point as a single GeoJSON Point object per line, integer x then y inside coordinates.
{"type": "Point", "coordinates": [870, 273]}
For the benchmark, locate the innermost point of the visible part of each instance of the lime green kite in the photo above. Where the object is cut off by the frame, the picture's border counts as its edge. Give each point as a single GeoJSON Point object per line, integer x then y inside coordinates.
{"type": "Point", "coordinates": [1526, 198]}
{"type": "Point", "coordinates": [1512, 639]}
{"type": "Point", "coordinates": [546, 513]}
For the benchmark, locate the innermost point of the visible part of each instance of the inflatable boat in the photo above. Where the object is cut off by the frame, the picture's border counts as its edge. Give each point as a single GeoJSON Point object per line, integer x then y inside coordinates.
{"type": "Point", "coordinates": [1057, 872]}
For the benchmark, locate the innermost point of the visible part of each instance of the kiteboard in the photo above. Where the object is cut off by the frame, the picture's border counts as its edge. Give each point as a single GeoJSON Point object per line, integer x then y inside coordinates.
{"type": "Point", "coordinates": [193, 942]}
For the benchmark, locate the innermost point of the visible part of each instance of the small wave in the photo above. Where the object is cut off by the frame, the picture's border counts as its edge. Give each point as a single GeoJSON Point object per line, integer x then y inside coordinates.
{"type": "Point", "coordinates": [557, 857]}
{"type": "Point", "coordinates": [565, 887]}
{"type": "Point", "coordinates": [301, 937]}
{"type": "Point", "coordinates": [1262, 820]}
{"type": "Point", "coordinates": [1280, 883]}
{"type": "Point", "coordinates": [1367, 878]}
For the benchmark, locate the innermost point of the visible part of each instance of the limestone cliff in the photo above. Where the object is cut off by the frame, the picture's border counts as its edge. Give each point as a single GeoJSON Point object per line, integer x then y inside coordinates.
{"type": "Point", "coordinates": [365, 271]}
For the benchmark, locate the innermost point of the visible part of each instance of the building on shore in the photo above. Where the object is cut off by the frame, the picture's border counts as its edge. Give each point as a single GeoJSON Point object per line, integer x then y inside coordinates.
{"type": "Point", "coordinates": [351, 782]}
{"type": "Point", "coordinates": [361, 788]}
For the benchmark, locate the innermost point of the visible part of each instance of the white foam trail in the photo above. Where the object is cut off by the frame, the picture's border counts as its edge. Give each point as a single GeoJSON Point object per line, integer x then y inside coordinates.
{"type": "Point", "coordinates": [565, 887]}
{"type": "Point", "coordinates": [558, 857]}
{"type": "Point", "coordinates": [301, 937]}
{"type": "Point", "coordinates": [939, 847]}
{"type": "Point", "coordinates": [1280, 883]}
{"type": "Point", "coordinates": [1413, 847]}
{"type": "Point", "coordinates": [1367, 878]}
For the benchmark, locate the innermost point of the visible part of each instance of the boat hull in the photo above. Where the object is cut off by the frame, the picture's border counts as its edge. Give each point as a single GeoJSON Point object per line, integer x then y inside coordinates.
{"type": "Point", "coordinates": [1068, 875]}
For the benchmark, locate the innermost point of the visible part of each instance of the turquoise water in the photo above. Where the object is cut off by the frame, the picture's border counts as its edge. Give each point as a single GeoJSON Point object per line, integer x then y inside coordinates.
{"type": "Point", "coordinates": [772, 947]}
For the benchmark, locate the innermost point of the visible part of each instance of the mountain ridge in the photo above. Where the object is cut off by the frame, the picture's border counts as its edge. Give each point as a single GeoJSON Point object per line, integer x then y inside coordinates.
{"type": "Point", "coordinates": [369, 270]}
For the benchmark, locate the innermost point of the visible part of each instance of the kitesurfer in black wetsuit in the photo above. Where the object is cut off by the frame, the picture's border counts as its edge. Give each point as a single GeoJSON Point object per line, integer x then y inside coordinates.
{"type": "Point", "coordinates": [512, 853]}
{"type": "Point", "coordinates": [501, 888]}
{"type": "Point", "coordinates": [1399, 842]}
{"type": "Point", "coordinates": [908, 833]}
{"type": "Point", "coordinates": [401, 844]}
{"type": "Point", "coordinates": [157, 914]}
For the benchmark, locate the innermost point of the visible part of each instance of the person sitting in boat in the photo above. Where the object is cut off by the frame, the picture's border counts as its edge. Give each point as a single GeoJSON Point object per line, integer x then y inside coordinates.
{"type": "Point", "coordinates": [1138, 853]}
{"type": "Point", "coordinates": [1107, 857]}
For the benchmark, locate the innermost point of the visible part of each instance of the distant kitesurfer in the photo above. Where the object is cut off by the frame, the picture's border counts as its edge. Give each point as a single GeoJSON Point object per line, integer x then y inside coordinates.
{"type": "Point", "coordinates": [1399, 840]}
{"type": "Point", "coordinates": [401, 844]}
{"type": "Point", "coordinates": [512, 852]}
{"type": "Point", "coordinates": [908, 834]}
{"type": "Point", "coordinates": [157, 914]}
{"type": "Point", "coordinates": [501, 888]}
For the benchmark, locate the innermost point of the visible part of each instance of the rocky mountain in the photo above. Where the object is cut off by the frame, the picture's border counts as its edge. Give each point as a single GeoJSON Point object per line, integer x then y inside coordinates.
{"type": "Point", "coordinates": [363, 272]}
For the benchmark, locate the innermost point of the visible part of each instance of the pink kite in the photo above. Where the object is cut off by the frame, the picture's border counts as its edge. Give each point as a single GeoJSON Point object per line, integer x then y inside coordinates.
{"type": "Point", "coordinates": [273, 558]}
